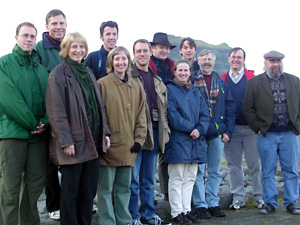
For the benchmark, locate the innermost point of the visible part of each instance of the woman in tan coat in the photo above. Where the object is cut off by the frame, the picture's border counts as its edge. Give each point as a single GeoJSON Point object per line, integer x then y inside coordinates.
{"type": "Point", "coordinates": [125, 107]}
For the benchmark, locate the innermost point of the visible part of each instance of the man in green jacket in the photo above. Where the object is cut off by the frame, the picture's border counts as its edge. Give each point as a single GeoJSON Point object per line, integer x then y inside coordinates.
{"type": "Point", "coordinates": [23, 125]}
{"type": "Point", "coordinates": [48, 49]}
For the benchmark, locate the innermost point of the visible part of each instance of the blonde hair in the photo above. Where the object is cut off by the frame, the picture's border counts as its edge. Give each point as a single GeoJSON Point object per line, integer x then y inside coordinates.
{"type": "Point", "coordinates": [68, 40]}
{"type": "Point", "coordinates": [111, 55]}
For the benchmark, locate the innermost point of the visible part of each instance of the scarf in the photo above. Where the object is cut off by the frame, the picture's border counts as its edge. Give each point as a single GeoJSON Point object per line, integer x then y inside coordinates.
{"type": "Point", "coordinates": [211, 98]}
{"type": "Point", "coordinates": [55, 42]}
{"type": "Point", "coordinates": [80, 71]}
{"type": "Point", "coordinates": [187, 84]}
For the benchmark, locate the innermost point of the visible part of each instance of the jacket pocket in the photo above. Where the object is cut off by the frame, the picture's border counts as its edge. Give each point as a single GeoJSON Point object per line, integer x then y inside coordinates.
{"type": "Point", "coordinates": [116, 138]}
{"type": "Point", "coordinates": [77, 136]}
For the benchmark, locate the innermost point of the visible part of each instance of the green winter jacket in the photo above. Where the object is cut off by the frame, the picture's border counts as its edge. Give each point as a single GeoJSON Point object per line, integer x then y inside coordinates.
{"type": "Point", "coordinates": [48, 53]}
{"type": "Point", "coordinates": [23, 84]}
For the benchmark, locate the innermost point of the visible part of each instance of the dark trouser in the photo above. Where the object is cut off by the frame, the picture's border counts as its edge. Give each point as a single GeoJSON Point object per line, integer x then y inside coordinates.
{"type": "Point", "coordinates": [52, 188]}
{"type": "Point", "coordinates": [78, 189]}
{"type": "Point", "coordinates": [163, 174]}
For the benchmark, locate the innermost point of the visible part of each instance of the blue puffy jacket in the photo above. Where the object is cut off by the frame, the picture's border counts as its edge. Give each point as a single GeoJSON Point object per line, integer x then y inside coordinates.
{"type": "Point", "coordinates": [187, 111]}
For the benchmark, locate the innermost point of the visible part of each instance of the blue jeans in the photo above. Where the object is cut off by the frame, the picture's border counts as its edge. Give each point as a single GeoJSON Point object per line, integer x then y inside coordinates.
{"type": "Point", "coordinates": [214, 160]}
{"type": "Point", "coordinates": [283, 146]}
{"type": "Point", "coordinates": [142, 182]}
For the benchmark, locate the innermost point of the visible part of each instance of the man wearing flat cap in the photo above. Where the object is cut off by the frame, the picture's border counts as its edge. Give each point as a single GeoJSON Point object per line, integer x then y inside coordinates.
{"type": "Point", "coordinates": [271, 107]}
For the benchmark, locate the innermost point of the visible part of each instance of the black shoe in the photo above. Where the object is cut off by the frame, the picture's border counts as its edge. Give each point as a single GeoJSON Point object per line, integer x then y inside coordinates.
{"type": "Point", "coordinates": [216, 211]}
{"type": "Point", "coordinates": [266, 209]}
{"type": "Point", "coordinates": [292, 208]}
{"type": "Point", "coordinates": [192, 218]}
{"type": "Point", "coordinates": [182, 219]}
{"type": "Point", "coordinates": [203, 213]}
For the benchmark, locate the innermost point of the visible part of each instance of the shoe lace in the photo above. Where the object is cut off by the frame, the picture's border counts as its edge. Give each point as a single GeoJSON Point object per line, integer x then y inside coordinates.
{"type": "Point", "coordinates": [136, 222]}
{"type": "Point", "coordinates": [157, 220]}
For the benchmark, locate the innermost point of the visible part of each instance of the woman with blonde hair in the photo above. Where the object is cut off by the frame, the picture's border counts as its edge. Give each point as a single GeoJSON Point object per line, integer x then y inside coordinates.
{"type": "Point", "coordinates": [125, 106]}
{"type": "Point", "coordinates": [78, 130]}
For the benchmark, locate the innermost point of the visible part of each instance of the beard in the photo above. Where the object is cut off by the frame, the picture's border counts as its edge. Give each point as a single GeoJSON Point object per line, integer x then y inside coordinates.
{"type": "Point", "coordinates": [206, 70]}
{"type": "Point", "coordinates": [272, 73]}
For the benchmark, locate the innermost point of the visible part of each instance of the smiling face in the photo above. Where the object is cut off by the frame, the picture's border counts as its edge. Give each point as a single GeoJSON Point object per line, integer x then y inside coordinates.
{"type": "Point", "coordinates": [109, 38]}
{"type": "Point", "coordinates": [182, 72]}
{"type": "Point", "coordinates": [236, 60]}
{"type": "Point", "coordinates": [26, 38]}
{"type": "Point", "coordinates": [77, 51]}
{"type": "Point", "coordinates": [57, 27]}
{"type": "Point", "coordinates": [206, 63]}
{"type": "Point", "coordinates": [142, 54]}
{"type": "Point", "coordinates": [160, 51]}
{"type": "Point", "coordinates": [120, 64]}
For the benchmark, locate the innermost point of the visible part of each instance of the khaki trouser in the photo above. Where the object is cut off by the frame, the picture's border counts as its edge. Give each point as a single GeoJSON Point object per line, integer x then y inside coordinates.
{"type": "Point", "coordinates": [23, 168]}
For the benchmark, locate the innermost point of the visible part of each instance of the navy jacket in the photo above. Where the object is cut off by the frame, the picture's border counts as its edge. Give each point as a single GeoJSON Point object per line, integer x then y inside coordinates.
{"type": "Point", "coordinates": [223, 119]}
{"type": "Point", "coordinates": [98, 65]}
{"type": "Point", "coordinates": [187, 111]}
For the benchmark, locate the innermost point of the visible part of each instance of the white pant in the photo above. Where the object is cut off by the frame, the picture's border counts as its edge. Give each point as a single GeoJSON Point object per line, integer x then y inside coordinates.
{"type": "Point", "coordinates": [181, 181]}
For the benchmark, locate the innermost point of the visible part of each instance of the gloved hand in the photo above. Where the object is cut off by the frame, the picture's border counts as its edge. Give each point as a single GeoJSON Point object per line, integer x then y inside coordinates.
{"type": "Point", "coordinates": [136, 147]}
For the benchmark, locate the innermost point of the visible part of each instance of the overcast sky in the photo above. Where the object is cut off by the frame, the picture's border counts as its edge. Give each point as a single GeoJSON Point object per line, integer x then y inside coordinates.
{"type": "Point", "coordinates": [258, 26]}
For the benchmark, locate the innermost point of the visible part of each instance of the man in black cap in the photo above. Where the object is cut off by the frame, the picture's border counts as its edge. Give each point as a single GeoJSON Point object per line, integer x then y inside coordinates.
{"type": "Point", "coordinates": [271, 107]}
{"type": "Point", "coordinates": [164, 68]}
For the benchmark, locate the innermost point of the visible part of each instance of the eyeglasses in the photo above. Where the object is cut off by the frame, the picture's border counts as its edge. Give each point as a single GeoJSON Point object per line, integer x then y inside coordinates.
{"type": "Point", "coordinates": [139, 51]}
{"type": "Point", "coordinates": [26, 36]}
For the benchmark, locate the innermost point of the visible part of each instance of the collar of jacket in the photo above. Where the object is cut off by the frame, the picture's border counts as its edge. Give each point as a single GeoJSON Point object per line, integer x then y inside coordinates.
{"type": "Point", "coordinates": [119, 82]}
{"type": "Point", "coordinates": [25, 57]}
{"type": "Point", "coordinates": [135, 73]}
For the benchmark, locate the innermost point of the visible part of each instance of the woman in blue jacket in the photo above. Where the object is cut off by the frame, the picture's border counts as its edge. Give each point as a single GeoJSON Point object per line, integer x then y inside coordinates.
{"type": "Point", "coordinates": [189, 120]}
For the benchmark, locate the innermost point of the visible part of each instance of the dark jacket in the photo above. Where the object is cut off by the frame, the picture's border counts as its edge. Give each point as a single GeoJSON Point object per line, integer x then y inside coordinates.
{"type": "Point", "coordinates": [259, 103]}
{"type": "Point", "coordinates": [162, 97]}
{"type": "Point", "coordinates": [223, 120]}
{"type": "Point", "coordinates": [67, 117]}
{"type": "Point", "coordinates": [187, 111]}
{"type": "Point", "coordinates": [164, 77]}
{"type": "Point", "coordinates": [97, 62]}
{"type": "Point", "coordinates": [48, 53]}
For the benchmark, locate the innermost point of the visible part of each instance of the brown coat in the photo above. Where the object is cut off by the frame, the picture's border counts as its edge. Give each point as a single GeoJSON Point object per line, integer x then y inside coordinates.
{"type": "Point", "coordinates": [125, 107]}
{"type": "Point", "coordinates": [162, 98]}
{"type": "Point", "coordinates": [67, 117]}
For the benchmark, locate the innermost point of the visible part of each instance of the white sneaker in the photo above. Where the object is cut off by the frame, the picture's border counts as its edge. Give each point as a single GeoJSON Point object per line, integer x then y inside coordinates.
{"type": "Point", "coordinates": [136, 222]}
{"type": "Point", "coordinates": [55, 215]}
{"type": "Point", "coordinates": [238, 204]}
{"type": "Point", "coordinates": [95, 209]}
{"type": "Point", "coordinates": [260, 203]}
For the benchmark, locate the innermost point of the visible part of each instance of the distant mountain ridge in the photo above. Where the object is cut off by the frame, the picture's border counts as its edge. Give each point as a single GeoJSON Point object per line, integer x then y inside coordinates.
{"type": "Point", "coordinates": [221, 51]}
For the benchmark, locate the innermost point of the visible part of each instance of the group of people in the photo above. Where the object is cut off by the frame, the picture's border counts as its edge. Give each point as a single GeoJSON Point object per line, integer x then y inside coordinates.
{"type": "Point", "coordinates": [105, 123]}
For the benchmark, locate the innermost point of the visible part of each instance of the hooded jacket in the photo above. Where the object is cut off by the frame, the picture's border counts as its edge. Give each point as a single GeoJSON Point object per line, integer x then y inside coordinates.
{"type": "Point", "coordinates": [187, 111]}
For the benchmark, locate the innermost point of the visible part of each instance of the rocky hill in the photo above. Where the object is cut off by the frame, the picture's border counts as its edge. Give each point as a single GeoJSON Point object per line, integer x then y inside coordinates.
{"type": "Point", "coordinates": [221, 51]}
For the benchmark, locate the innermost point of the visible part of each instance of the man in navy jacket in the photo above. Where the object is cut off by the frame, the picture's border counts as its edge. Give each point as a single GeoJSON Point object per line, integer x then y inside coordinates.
{"type": "Point", "coordinates": [221, 108]}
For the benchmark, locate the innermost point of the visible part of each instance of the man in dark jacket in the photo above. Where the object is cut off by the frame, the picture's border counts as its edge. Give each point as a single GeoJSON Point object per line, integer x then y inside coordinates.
{"type": "Point", "coordinates": [143, 172]}
{"type": "Point", "coordinates": [49, 49]}
{"type": "Point", "coordinates": [221, 108]}
{"type": "Point", "coordinates": [109, 33]}
{"type": "Point", "coordinates": [23, 136]}
{"type": "Point", "coordinates": [164, 68]}
{"type": "Point", "coordinates": [243, 141]}
{"type": "Point", "coordinates": [272, 109]}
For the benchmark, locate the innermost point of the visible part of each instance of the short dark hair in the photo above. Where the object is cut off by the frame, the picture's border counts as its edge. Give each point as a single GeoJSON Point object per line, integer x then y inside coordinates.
{"type": "Point", "coordinates": [108, 24]}
{"type": "Point", "coordinates": [24, 24]}
{"type": "Point", "coordinates": [191, 41]}
{"type": "Point", "coordinates": [142, 41]}
{"type": "Point", "coordinates": [235, 50]}
{"type": "Point", "coordinates": [54, 12]}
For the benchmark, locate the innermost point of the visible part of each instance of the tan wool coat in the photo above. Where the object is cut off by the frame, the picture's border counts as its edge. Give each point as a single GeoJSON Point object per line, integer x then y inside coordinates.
{"type": "Point", "coordinates": [125, 110]}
